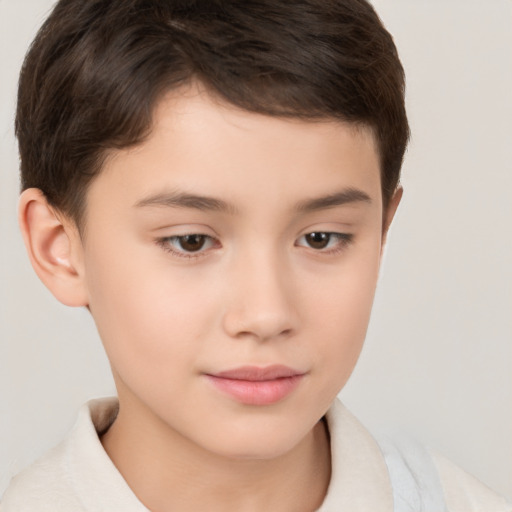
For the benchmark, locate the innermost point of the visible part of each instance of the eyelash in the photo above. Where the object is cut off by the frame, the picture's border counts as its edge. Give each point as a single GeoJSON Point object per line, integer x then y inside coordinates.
{"type": "Point", "coordinates": [165, 243]}
{"type": "Point", "coordinates": [343, 241]}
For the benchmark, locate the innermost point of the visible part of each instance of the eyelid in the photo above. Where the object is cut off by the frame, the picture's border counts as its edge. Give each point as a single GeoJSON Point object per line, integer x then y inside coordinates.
{"type": "Point", "coordinates": [182, 229]}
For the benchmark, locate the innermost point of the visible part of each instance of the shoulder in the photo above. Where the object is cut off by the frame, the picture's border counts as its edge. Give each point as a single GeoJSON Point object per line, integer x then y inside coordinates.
{"type": "Point", "coordinates": [45, 486]}
{"type": "Point", "coordinates": [425, 480]}
{"type": "Point", "coordinates": [59, 480]}
{"type": "Point", "coordinates": [464, 493]}
{"type": "Point", "coordinates": [398, 474]}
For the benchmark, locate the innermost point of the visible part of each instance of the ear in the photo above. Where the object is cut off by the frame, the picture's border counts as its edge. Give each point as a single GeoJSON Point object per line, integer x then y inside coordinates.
{"type": "Point", "coordinates": [54, 248]}
{"type": "Point", "coordinates": [389, 214]}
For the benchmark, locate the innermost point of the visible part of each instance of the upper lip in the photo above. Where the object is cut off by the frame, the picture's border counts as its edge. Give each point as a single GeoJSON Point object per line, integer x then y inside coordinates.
{"type": "Point", "coordinates": [255, 373]}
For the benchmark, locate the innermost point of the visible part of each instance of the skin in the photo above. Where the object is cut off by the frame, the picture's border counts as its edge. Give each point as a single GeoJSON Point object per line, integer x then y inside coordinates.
{"type": "Point", "coordinates": [256, 293]}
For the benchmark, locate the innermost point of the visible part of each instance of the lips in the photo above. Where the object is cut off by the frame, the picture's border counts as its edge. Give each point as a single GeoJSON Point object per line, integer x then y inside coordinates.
{"type": "Point", "coordinates": [252, 385]}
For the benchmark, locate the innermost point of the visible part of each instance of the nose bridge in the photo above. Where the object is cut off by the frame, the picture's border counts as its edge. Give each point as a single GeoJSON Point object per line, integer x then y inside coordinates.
{"type": "Point", "coordinates": [262, 302]}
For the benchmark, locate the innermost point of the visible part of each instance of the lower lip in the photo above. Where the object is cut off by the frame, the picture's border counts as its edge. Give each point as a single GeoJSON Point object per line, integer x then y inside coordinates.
{"type": "Point", "coordinates": [251, 392]}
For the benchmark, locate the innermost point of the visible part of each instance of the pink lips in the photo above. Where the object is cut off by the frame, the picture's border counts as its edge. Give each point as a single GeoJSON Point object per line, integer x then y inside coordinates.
{"type": "Point", "coordinates": [257, 386]}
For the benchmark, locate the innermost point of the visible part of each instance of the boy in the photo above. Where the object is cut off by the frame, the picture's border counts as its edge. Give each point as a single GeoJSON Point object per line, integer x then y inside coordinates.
{"type": "Point", "coordinates": [215, 183]}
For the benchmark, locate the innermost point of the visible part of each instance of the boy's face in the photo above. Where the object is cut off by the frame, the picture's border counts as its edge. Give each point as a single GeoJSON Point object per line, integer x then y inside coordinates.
{"type": "Point", "coordinates": [230, 240]}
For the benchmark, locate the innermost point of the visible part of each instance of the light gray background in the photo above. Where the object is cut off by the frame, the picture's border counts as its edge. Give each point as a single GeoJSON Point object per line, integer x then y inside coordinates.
{"type": "Point", "coordinates": [438, 359]}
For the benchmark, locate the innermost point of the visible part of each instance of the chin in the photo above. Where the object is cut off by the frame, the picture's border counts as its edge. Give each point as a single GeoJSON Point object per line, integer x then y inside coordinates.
{"type": "Point", "coordinates": [256, 439]}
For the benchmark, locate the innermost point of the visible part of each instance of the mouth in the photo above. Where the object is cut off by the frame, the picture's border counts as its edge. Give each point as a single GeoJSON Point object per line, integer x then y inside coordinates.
{"type": "Point", "coordinates": [253, 385]}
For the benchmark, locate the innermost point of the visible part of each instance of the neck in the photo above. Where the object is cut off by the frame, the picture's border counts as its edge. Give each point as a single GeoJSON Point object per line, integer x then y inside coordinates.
{"type": "Point", "coordinates": [168, 472]}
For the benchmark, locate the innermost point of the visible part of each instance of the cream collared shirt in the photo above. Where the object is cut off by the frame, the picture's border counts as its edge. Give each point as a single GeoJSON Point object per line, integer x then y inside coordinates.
{"type": "Point", "coordinates": [78, 475]}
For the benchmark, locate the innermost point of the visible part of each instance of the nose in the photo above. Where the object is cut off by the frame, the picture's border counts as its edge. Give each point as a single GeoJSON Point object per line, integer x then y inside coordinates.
{"type": "Point", "coordinates": [262, 300]}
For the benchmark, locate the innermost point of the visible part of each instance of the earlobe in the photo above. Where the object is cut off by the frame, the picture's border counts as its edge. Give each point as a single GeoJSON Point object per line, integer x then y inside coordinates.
{"type": "Point", "coordinates": [389, 214]}
{"type": "Point", "coordinates": [54, 248]}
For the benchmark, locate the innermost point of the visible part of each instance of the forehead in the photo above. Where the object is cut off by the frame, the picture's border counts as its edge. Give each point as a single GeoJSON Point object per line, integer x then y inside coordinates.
{"type": "Point", "coordinates": [203, 145]}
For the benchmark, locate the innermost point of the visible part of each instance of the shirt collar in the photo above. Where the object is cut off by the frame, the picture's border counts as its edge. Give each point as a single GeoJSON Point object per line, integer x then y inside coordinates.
{"type": "Point", "coordinates": [359, 476]}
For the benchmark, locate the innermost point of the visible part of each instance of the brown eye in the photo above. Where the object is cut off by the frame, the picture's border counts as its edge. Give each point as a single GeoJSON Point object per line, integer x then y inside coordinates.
{"type": "Point", "coordinates": [192, 243]}
{"type": "Point", "coordinates": [325, 242]}
{"type": "Point", "coordinates": [318, 240]}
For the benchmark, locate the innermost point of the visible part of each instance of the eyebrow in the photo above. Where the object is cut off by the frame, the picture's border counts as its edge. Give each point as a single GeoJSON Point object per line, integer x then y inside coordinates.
{"type": "Point", "coordinates": [346, 196]}
{"type": "Point", "coordinates": [186, 200]}
{"type": "Point", "coordinates": [206, 203]}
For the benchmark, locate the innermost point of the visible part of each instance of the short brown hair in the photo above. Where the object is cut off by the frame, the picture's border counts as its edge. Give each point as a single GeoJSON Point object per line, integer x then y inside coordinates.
{"type": "Point", "coordinates": [96, 69]}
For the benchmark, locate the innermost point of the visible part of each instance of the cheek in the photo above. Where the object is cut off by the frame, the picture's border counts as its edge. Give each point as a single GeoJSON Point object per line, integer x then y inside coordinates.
{"type": "Point", "coordinates": [147, 315]}
{"type": "Point", "coordinates": [344, 310]}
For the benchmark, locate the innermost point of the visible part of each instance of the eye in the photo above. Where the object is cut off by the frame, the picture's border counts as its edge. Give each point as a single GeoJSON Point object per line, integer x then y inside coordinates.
{"type": "Point", "coordinates": [325, 241]}
{"type": "Point", "coordinates": [187, 245]}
